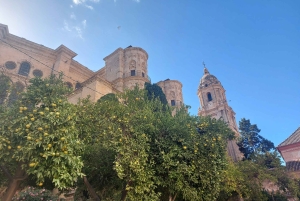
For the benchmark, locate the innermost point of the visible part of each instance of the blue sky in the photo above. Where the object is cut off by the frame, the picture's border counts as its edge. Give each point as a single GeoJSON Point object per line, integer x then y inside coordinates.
{"type": "Point", "coordinates": [252, 47]}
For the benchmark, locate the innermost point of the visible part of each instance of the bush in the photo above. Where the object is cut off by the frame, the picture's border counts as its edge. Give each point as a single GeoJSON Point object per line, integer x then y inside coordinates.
{"type": "Point", "coordinates": [35, 194]}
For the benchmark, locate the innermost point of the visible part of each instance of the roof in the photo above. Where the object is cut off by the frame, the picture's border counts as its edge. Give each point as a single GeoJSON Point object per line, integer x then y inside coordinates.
{"type": "Point", "coordinates": [208, 79]}
{"type": "Point", "coordinates": [292, 139]}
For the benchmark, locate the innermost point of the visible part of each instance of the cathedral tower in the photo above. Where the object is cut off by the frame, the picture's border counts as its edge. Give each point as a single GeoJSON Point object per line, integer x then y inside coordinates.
{"type": "Point", "coordinates": [173, 92]}
{"type": "Point", "coordinates": [214, 103]}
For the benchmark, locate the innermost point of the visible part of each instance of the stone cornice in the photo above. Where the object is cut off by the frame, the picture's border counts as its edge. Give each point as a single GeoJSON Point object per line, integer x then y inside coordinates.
{"type": "Point", "coordinates": [101, 71]}
{"type": "Point", "coordinates": [289, 147]}
{"type": "Point", "coordinates": [27, 44]}
{"type": "Point", "coordinates": [114, 52]}
{"type": "Point", "coordinates": [135, 78]}
{"type": "Point", "coordinates": [137, 48]}
{"type": "Point", "coordinates": [4, 30]}
{"type": "Point", "coordinates": [64, 49]}
{"type": "Point", "coordinates": [81, 69]}
{"type": "Point", "coordinates": [164, 81]}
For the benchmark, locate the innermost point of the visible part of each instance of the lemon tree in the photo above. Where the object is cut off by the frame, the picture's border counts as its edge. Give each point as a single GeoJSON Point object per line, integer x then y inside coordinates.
{"type": "Point", "coordinates": [156, 156]}
{"type": "Point", "coordinates": [39, 135]}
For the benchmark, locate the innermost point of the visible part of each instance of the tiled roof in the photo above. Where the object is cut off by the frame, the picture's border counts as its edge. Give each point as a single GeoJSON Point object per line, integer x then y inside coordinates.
{"type": "Point", "coordinates": [294, 138]}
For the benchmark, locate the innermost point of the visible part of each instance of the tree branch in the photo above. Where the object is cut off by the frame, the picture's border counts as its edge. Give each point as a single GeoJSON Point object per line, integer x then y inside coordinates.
{"type": "Point", "coordinates": [90, 189]}
{"type": "Point", "coordinates": [5, 170]}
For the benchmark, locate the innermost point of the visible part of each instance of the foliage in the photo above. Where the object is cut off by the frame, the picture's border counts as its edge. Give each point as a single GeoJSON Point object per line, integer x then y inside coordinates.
{"type": "Point", "coordinates": [5, 84]}
{"type": "Point", "coordinates": [250, 141]}
{"type": "Point", "coordinates": [108, 97]}
{"type": "Point", "coordinates": [39, 132]}
{"type": "Point", "coordinates": [98, 164]}
{"type": "Point", "coordinates": [274, 196]}
{"type": "Point", "coordinates": [34, 194]}
{"type": "Point", "coordinates": [233, 183]}
{"type": "Point", "coordinates": [155, 91]}
{"type": "Point", "coordinates": [263, 168]}
{"type": "Point", "coordinates": [156, 156]}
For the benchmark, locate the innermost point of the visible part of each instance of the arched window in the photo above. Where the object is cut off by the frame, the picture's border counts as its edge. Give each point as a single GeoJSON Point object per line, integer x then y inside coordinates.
{"type": "Point", "coordinates": [173, 103]}
{"type": "Point", "coordinates": [24, 68]}
{"type": "Point", "coordinates": [132, 72]}
{"type": "Point", "coordinates": [209, 97]}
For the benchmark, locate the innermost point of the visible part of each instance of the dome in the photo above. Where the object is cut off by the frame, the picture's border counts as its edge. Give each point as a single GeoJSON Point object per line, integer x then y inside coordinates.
{"type": "Point", "coordinates": [208, 79]}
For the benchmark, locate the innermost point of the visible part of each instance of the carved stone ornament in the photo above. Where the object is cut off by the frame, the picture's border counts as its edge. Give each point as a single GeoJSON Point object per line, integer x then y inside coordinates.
{"type": "Point", "coordinates": [143, 65]}
{"type": "Point", "coordinates": [172, 94]}
{"type": "Point", "coordinates": [132, 64]}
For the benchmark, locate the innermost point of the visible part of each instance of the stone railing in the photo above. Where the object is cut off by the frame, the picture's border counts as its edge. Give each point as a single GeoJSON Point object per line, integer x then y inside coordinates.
{"type": "Point", "coordinates": [136, 74]}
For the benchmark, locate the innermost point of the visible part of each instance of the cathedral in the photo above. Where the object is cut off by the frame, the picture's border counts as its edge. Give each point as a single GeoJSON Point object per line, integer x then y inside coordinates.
{"type": "Point", "coordinates": [21, 59]}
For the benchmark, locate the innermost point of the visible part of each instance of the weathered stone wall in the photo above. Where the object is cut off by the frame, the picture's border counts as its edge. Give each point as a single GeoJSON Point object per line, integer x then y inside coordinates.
{"type": "Point", "coordinates": [16, 50]}
{"type": "Point", "coordinates": [173, 91]}
{"type": "Point", "coordinates": [124, 68]}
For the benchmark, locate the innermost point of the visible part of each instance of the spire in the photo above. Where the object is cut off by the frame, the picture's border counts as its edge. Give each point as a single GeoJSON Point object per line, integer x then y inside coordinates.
{"type": "Point", "coordinates": [205, 69]}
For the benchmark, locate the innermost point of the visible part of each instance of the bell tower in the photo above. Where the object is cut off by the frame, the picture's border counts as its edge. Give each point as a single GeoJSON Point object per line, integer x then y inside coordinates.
{"type": "Point", "coordinates": [214, 103]}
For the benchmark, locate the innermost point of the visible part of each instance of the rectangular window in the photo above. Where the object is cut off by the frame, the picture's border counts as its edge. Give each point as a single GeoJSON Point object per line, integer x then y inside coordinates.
{"type": "Point", "coordinates": [173, 102]}
{"type": "Point", "coordinates": [132, 72]}
{"type": "Point", "coordinates": [143, 74]}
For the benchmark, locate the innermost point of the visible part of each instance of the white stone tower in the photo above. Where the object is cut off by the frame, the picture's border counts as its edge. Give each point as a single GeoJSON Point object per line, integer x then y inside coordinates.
{"type": "Point", "coordinates": [214, 103]}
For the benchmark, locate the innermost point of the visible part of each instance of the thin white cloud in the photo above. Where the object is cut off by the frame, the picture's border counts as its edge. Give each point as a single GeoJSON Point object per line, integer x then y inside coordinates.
{"type": "Point", "coordinates": [66, 26]}
{"type": "Point", "coordinates": [89, 7]}
{"type": "Point", "coordinates": [76, 29]}
{"type": "Point", "coordinates": [84, 23]}
{"type": "Point", "coordinates": [73, 16]}
{"type": "Point", "coordinates": [138, 1]}
{"type": "Point", "coordinates": [79, 31]}
{"type": "Point", "coordinates": [78, 1]}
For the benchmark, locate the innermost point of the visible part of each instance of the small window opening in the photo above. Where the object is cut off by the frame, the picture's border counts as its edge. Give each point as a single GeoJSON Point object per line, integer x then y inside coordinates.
{"type": "Point", "coordinates": [24, 69]}
{"type": "Point", "coordinates": [78, 85]}
{"type": "Point", "coordinates": [143, 74]}
{"type": "Point", "coordinates": [172, 102]}
{"type": "Point", "coordinates": [206, 85]}
{"type": "Point", "coordinates": [132, 72]}
{"type": "Point", "coordinates": [209, 97]}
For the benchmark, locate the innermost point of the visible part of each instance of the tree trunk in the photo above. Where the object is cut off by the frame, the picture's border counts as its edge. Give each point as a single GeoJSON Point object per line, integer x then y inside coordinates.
{"type": "Point", "coordinates": [14, 183]}
{"type": "Point", "coordinates": [171, 198]}
{"type": "Point", "coordinates": [91, 190]}
{"type": "Point", "coordinates": [124, 192]}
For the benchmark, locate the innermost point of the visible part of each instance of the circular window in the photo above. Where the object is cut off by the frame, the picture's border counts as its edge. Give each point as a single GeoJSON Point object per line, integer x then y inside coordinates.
{"type": "Point", "coordinates": [10, 65]}
{"type": "Point", "coordinates": [37, 73]}
{"type": "Point", "coordinates": [69, 84]}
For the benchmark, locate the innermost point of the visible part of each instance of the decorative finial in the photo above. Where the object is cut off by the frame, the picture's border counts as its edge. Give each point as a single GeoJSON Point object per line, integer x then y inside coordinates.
{"type": "Point", "coordinates": [203, 64]}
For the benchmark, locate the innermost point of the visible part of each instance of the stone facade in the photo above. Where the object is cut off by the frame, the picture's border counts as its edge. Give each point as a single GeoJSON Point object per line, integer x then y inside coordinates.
{"type": "Point", "coordinates": [214, 103]}
{"type": "Point", "coordinates": [21, 60]}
